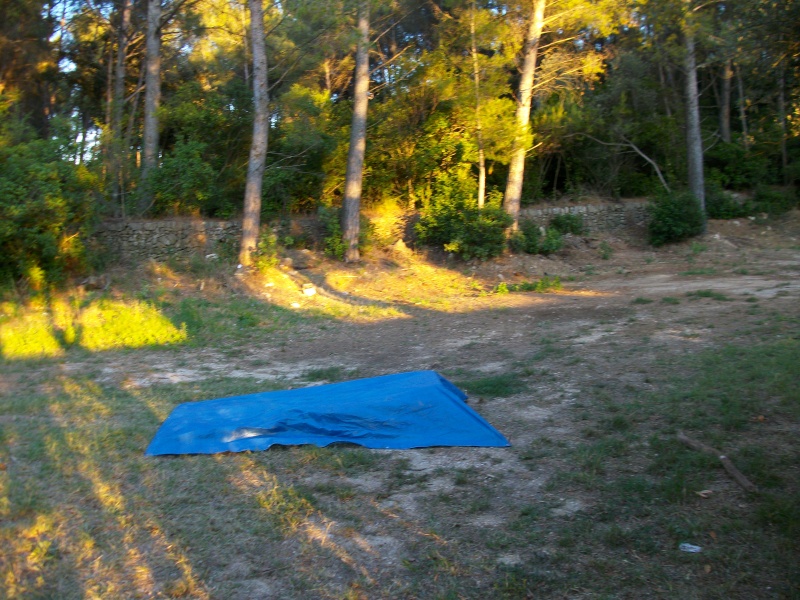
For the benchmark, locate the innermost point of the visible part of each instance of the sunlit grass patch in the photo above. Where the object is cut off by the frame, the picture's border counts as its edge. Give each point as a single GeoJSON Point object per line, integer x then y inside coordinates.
{"type": "Point", "coordinates": [45, 330]}
{"type": "Point", "coordinates": [29, 336]}
{"type": "Point", "coordinates": [108, 324]}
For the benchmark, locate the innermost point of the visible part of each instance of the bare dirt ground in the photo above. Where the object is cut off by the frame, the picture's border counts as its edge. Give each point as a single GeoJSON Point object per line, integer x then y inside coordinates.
{"type": "Point", "coordinates": [431, 523]}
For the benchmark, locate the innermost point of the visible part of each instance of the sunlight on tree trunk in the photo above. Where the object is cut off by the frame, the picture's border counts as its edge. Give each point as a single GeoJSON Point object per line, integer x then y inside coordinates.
{"type": "Point", "coordinates": [476, 76]}
{"type": "Point", "coordinates": [358, 141]}
{"type": "Point", "coordinates": [516, 170]}
{"type": "Point", "coordinates": [118, 108]}
{"type": "Point", "coordinates": [258, 149]}
{"type": "Point", "coordinates": [152, 100]}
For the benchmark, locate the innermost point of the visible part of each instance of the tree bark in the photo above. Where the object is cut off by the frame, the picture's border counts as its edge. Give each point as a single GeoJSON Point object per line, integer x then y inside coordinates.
{"type": "Point", "coordinates": [694, 140]}
{"type": "Point", "coordinates": [118, 106]}
{"type": "Point", "coordinates": [251, 220]}
{"type": "Point", "coordinates": [351, 205]}
{"type": "Point", "coordinates": [782, 122]}
{"type": "Point", "coordinates": [725, 102]}
{"type": "Point", "coordinates": [516, 170]}
{"type": "Point", "coordinates": [476, 77]}
{"type": "Point", "coordinates": [152, 99]}
{"type": "Point", "coordinates": [742, 109]}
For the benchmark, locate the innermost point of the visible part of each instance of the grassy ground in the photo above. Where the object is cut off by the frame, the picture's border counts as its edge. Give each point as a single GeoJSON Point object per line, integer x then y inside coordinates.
{"type": "Point", "coordinates": [595, 509]}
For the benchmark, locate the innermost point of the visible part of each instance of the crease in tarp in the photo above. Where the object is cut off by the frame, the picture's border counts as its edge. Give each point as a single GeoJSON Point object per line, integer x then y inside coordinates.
{"type": "Point", "coordinates": [407, 410]}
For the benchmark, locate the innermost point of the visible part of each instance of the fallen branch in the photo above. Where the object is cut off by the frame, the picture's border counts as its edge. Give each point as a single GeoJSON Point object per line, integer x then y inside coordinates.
{"type": "Point", "coordinates": [726, 462]}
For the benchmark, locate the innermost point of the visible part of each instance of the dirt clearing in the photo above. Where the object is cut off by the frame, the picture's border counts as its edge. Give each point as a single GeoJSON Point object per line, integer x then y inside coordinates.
{"type": "Point", "coordinates": [589, 384]}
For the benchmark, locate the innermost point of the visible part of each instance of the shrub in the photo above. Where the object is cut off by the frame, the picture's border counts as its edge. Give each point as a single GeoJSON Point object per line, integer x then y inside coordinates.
{"type": "Point", "coordinates": [46, 206]}
{"type": "Point", "coordinates": [734, 167]}
{"type": "Point", "coordinates": [266, 255]}
{"type": "Point", "coordinates": [460, 227]}
{"type": "Point", "coordinates": [720, 205]}
{"type": "Point", "coordinates": [529, 239]}
{"type": "Point", "coordinates": [772, 201]}
{"type": "Point", "coordinates": [568, 223]}
{"type": "Point", "coordinates": [332, 243]}
{"type": "Point", "coordinates": [674, 217]}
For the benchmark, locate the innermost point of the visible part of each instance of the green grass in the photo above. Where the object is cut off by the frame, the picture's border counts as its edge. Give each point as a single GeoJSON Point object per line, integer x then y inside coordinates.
{"type": "Point", "coordinates": [710, 294]}
{"type": "Point", "coordinates": [493, 386]}
{"type": "Point", "coordinates": [640, 300]}
{"type": "Point", "coordinates": [700, 271]}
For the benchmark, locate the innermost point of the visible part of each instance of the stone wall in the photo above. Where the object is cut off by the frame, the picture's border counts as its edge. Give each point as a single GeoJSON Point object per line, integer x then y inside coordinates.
{"type": "Point", "coordinates": [181, 238]}
{"type": "Point", "coordinates": [597, 218]}
{"type": "Point", "coordinates": [168, 238]}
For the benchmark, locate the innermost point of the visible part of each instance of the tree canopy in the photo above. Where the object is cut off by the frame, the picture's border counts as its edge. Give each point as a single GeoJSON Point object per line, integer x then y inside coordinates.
{"type": "Point", "coordinates": [469, 100]}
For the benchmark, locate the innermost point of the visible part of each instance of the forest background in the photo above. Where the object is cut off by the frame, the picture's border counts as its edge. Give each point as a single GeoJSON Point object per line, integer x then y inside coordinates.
{"type": "Point", "coordinates": [147, 108]}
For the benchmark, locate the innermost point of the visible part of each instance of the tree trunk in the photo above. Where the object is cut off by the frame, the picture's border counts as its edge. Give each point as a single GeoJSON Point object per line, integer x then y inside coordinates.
{"type": "Point", "coordinates": [694, 140]}
{"type": "Point", "coordinates": [516, 170]}
{"type": "Point", "coordinates": [152, 98]}
{"type": "Point", "coordinates": [351, 205]}
{"type": "Point", "coordinates": [118, 106]}
{"type": "Point", "coordinates": [725, 102]}
{"type": "Point", "coordinates": [742, 109]}
{"type": "Point", "coordinates": [476, 76]}
{"type": "Point", "coordinates": [782, 122]}
{"type": "Point", "coordinates": [258, 149]}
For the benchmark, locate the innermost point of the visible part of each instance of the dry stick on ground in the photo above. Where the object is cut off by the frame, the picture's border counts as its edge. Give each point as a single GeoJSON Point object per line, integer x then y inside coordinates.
{"type": "Point", "coordinates": [726, 462]}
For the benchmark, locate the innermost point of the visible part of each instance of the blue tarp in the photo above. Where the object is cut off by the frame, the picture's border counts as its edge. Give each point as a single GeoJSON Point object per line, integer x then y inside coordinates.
{"type": "Point", "coordinates": [406, 410]}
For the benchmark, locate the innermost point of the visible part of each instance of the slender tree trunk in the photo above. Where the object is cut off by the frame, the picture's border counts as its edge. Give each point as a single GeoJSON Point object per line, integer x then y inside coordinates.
{"type": "Point", "coordinates": [694, 140]}
{"type": "Point", "coordinates": [782, 122]}
{"type": "Point", "coordinates": [258, 150]}
{"type": "Point", "coordinates": [351, 205]}
{"type": "Point", "coordinates": [742, 108]}
{"type": "Point", "coordinates": [725, 102]}
{"type": "Point", "coordinates": [118, 106]}
{"type": "Point", "coordinates": [476, 77]}
{"type": "Point", "coordinates": [152, 99]}
{"type": "Point", "coordinates": [516, 170]}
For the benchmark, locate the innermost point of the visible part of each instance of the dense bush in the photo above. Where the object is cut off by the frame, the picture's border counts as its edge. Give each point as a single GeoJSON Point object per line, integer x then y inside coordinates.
{"type": "Point", "coordinates": [455, 223]}
{"type": "Point", "coordinates": [773, 201]}
{"type": "Point", "coordinates": [721, 205]}
{"type": "Point", "coordinates": [733, 167]}
{"type": "Point", "coordinates": [674, 217]}
{"type": "Point", "coordinates": [530, 239]}
{"type": "Point", "coordinates": [46, 205]}
{"type": "Point", "coordinates": [568, 223]}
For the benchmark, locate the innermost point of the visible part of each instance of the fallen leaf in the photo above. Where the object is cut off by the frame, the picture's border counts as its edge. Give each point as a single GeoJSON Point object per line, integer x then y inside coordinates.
{"type": "Point", "coordinates": [705, 493]}
{"type": "Point", "coordinates": [3, 466]}
{"type": "Point", "coordinates": [713, 535]}
{"type": "Point", "coordinates": [758, 419]}
{"type": "Point", "coordinates": [707, 569]}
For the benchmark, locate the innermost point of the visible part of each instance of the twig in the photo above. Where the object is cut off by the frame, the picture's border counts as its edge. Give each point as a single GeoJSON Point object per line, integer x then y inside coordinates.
{"type": "Point", "coordinates": [726, 462]}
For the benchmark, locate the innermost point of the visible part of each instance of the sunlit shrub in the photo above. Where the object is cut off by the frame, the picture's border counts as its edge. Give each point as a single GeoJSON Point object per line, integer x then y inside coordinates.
{"type": "Point", "coordinates": [46, 207]}
{"type": "Point", "coordinates": [464, 229]}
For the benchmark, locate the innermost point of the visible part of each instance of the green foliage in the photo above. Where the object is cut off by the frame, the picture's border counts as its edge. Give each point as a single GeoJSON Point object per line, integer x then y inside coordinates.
{"type": "Point", "coordinates": [543, 285]}
{"type": "Point", "coordinates": [185, 183]}
{"type": "Point", "coordinates": [453, 221]}
{"type": "Point", "coordinates": [46, 207]}
{"type": "Point", "coordinates": [568, 223]}
{"type": "Point", "coordinates": [733, 167]}
{"type": "Point", "coordinates": [332, 242]}
{"type": "Point", "coordinates": [266, 255]}
{"type": "Point", "coordinates": [721, 205]}
{"type": "Point", "coordinates": [674, 217]}
{"type": "Point", "coordinates": [773, 201]}
{"type": "Point", "coordinates": [529, 239]}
